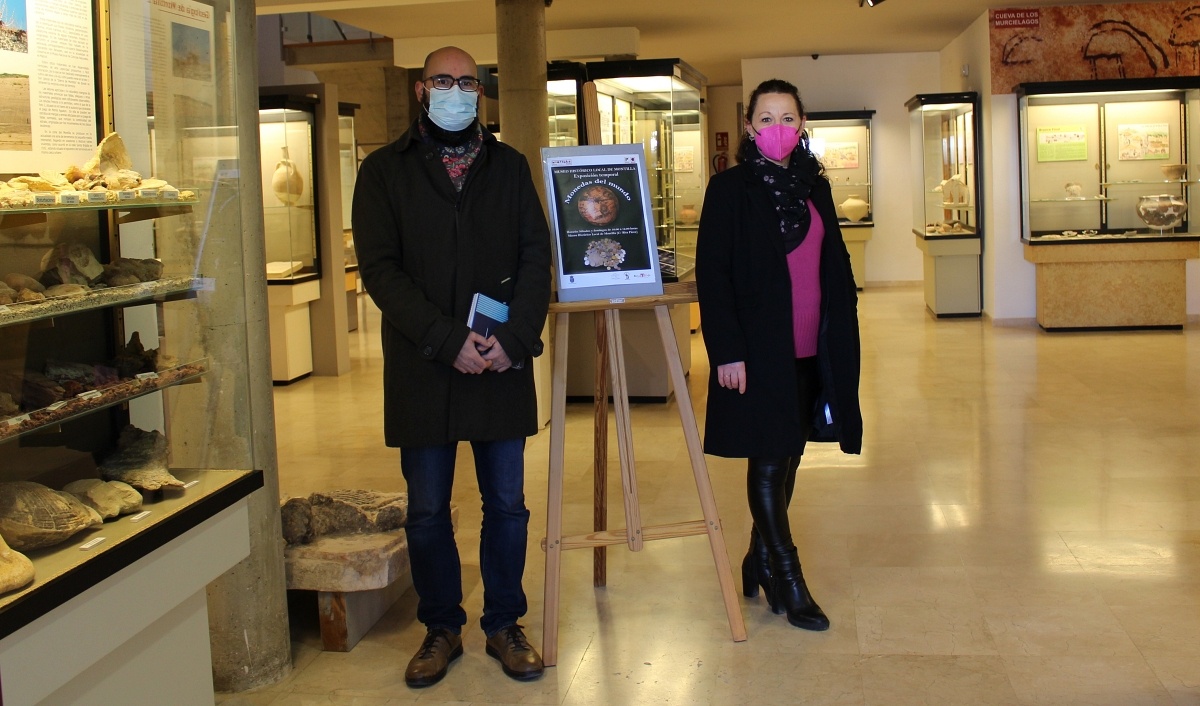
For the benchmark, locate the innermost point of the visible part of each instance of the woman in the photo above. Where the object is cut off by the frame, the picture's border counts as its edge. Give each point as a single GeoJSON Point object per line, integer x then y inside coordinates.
{"type": "Point", "coordinates": [778, 308]}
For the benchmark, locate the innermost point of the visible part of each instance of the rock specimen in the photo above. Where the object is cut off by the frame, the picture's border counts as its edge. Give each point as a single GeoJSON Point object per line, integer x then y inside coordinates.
{"type": "Point", "coordinates": [126, 270]}
{"type": "Point", "coordinates": [140, 460]}
{"type": "Point", "coordinates": [34, 516]}
{"type": "Point", "coordinates": [70, 263]}
{"type": "Point", "coordinates": [134, 358]}
{"type": "Point", "coordinates": [18, 281]}
{"type": "Point", "coordinates": [342, 512]}
{"type": "Point", "coordinates": [110, 498]}
{"type": "Point", "coordinates": [65, 290]}
{"type": "Point", "coordinates": [110, 156]}
{"type": "Point", "coordinates": [16, 569]}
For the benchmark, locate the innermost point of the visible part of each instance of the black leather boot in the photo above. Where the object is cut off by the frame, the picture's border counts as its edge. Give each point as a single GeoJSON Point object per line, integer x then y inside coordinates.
{"type": "Point", "coordinates": [791, 592]}
{"type": "Point", "coordinates": [756, 567]}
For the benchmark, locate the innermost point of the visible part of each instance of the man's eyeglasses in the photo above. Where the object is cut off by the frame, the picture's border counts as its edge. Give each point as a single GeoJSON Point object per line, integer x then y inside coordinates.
{"type": "Point", "coordinates": [444, 82]}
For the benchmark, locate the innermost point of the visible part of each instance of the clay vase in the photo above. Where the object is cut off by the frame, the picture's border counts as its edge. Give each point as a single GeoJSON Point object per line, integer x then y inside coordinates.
{"type": "Point", "coordinates": [286, 182]}
{"type": "Point", "coordinates": [1174, 172]}
{"type": "Point", "coordinates": [855, 208]}
{"type": "Point", "coordinates": [688, 214]}
{"type": "Point", "coordinates": [1161, 211]}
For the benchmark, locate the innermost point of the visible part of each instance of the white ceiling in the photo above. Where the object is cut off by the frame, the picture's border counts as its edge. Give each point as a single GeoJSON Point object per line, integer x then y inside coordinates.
{"type": "Point", "coordinates": [711, 35]}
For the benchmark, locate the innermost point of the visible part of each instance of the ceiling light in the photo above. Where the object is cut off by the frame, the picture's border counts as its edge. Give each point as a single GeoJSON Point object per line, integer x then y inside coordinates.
{"type": "Point", "coordinates": [869, 3]}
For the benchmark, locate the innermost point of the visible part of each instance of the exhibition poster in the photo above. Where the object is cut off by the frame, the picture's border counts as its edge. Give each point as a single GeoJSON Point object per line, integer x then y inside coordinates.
{"type": "Point", "coordinates": [47, 113]}
{"type": "Point", "coordinates": [604, 238]}
{"type": "Point", "coordinates": [1062, 144]}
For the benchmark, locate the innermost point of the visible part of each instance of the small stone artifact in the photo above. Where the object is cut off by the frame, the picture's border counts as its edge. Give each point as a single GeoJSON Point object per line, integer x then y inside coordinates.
{"type": "Point", "coordinates": [342, 512]}
{"type": "Point", "coordinates": [102, 497]}
{"type": "Point", "coordinates": [140, 460]}
{"type": "Point", "coordinates": [16, 569]}
{"type": "Point", "coordinates": [70, 263]}
{"type": "Point", "coordinates": [34, 516]}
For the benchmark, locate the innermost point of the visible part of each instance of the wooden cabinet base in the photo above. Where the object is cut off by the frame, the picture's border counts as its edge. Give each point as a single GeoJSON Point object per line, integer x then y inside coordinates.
{"type": "Point", "coordinates": [1112, 285]}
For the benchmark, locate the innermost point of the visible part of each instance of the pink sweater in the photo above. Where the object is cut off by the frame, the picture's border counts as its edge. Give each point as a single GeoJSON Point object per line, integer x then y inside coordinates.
{"type": "Point", "coordinates": [804, 264]}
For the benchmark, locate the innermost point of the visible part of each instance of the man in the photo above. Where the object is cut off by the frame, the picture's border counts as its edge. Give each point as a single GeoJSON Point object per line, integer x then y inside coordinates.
{"type": "Point", "coordinates": [441, 214]}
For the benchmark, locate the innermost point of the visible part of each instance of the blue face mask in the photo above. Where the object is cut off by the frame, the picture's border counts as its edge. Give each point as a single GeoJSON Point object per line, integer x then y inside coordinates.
{"type": "Point", "coordinates": [452, 110]}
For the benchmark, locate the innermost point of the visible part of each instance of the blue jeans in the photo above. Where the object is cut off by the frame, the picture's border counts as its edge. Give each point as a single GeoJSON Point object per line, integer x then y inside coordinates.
{"type": "Point", "coordinates": [436, 571]}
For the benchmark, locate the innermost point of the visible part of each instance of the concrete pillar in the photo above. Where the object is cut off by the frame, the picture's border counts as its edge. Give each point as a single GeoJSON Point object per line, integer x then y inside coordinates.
{"type": "Point", "coordinates": [247, 607]}
{"type": "Point", "coordinates": [521, 61]}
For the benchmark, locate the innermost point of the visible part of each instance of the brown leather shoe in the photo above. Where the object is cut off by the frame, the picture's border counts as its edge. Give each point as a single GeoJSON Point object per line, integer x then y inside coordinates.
{"type": "Point", "coordinates": [517, 658]}
{"type": "Point", "coordinates": [429, 664]}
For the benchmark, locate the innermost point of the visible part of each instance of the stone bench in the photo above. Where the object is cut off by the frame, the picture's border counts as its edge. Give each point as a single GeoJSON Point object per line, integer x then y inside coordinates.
{"type": "Point", "coordinates": [358, 573]}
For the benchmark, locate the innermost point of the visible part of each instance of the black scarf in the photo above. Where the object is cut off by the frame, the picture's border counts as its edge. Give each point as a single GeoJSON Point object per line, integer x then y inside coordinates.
{"type": "Point", "coordinates": [789, 188]}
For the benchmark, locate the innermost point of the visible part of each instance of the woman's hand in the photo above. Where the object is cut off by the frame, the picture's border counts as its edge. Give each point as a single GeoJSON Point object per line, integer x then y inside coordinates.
{"type": "Point", "coordinates": [732, 376]}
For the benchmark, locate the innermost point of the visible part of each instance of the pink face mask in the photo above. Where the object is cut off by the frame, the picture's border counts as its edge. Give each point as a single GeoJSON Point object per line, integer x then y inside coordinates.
{"type": "Point", "coordinates": [777, 141]}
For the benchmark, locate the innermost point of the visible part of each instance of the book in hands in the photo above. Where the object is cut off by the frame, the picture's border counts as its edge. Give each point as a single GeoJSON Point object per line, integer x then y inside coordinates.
{"type": "Point", "coordinates": [486, 314]}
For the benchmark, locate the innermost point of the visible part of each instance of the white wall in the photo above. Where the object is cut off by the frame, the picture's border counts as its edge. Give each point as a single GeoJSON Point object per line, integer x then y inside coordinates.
{"type": "Point", "coordinates": [1008, 280]}
{"type": "Point", "coordinates": [883, 83]}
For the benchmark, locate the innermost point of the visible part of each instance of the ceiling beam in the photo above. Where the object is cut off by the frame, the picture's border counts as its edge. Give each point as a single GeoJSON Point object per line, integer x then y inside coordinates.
{"type": "Point", "coordinates": [274, 7]}
{"type": "Point", "coordinates": [560, 44]}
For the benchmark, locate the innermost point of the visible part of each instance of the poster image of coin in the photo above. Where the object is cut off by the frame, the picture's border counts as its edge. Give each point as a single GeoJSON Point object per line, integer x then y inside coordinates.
{"type": "Point", "coordinates": [600, 220]}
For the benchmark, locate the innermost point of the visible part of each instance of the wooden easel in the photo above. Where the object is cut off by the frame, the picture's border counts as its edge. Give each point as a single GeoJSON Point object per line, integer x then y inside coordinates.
{"type": "Point", "coordinates": [635, 533]}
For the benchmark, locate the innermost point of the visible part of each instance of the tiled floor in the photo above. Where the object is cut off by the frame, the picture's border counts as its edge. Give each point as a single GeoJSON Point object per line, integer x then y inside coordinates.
{"type": "Point", "coordinates": [1022, 528]}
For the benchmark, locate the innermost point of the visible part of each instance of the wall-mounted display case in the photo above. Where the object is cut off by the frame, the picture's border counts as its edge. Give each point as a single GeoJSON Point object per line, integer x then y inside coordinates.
{"type": "Point", "coordinates": [841, 139]}
{"type": "Point", "coordinates": [126, 434]}
{"type": "Point", "coordinates": [1108, 169]}
{"type": "Point", "coordinates": [947, 211]}
{"type": "Point", "coordinates": [286, 137]}
{"type": "Point", "coordinates": [348, 161]}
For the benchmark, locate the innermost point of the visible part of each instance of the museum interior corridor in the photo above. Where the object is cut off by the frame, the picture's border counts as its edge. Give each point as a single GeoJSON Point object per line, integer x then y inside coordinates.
{"type": "Point", "coordinates": [1023, 527]}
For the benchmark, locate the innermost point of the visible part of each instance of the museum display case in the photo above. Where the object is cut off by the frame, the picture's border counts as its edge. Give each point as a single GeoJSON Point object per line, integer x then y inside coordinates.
{"type": "Point", "coordinates": [947, 219]}
{"type": "Point", "coordinates": [1107, 173]}
{"type": "Point", "coordinates": [842, 141]}
{"type": "Point", "coordinates": [348, 161]}
{"type": "Point", "coordinates": [125, 443]}
{"type": "Point", "coordinates": [657, 103]}
{"type": "Point", "coordinates": [286, 127]}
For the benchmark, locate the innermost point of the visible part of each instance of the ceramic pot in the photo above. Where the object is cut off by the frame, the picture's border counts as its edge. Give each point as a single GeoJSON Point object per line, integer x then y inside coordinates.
{"type": "Point", "coordinates": [1174, 172]}
{"type": "Point", "coordinates": [287, 182]}
{"type": "Point", "coordinates": [1161, 211]}
{"type": "Point", "coordinates": [688, 214]}
{"type": "Point", "coordinates": [855, 208]}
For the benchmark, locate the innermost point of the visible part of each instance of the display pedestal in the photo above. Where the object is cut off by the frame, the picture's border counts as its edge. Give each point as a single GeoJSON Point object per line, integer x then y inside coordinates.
{"type": "Point", "coordinates": [291, 329]}
{"type": "Point", "coordinates": [139, 636]}
{"type": "Point", "coordinates": [856, 239]}
{"type": "Point", "coordinates": [951, 275]}
{"type": "Point", "coordinates": [1090, 285]}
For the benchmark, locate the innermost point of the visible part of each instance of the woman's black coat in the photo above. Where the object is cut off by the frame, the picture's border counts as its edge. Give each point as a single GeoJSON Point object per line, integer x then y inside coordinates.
{"type": "Point", "coordinates": [746, 315]}
{"type": "Point", "coordinates": [424, 250]}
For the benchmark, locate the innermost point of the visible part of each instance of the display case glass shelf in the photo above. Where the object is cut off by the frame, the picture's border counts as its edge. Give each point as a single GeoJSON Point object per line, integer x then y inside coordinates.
{"type": "Point", "coordinates": [287, 133]}
{"type": "Point", "coordinates": [945, 145]}
{"type": "Point", "coordinates": [94, 554]}
{"type": "Point", "coordinates": [1108, 160]}
{"type": "Point", "coordinates": [842, 141]}
{"type": "Point", "coordinates": [161, 289]}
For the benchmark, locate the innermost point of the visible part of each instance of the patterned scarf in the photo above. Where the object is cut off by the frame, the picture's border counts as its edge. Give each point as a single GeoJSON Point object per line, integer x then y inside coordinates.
{"type": "Point", "coordinates": [458, 150]}
{"type": "Point", "coordinates": [790, 189]}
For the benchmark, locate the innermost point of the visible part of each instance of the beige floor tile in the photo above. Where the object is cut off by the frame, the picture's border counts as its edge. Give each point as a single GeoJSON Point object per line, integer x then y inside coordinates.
{"type": "Point", "coordinates": [1065, 630]}
{"type": "Point", "coordinates": [930, 587]}
{"type": "Point", "coordinates": [1019, 529]}
{"type": "Point", "coordinates": [917, 630]}
{"type": "Point", "coordinates": [1056, 680]}
{"type": "Point", "coordinates": [999, 587]}
{"type": "Point", "coordinates": [925, 680]}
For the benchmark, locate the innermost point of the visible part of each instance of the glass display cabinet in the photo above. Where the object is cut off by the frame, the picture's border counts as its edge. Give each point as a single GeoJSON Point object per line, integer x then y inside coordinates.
{"type": "Point", "coordinates": [127, 435]}
{"type": "Point", "coordinates": [842, 141]}
{"type": "Point", "coordinates": [657, 103]}
{"type": "Point", "coordinates": [1107, 174]}
{"type": "Point", "coordinates": [348, 168]}
{"type": "Point", "coordinates": [947, 217]}
{"type": "Point", "coordinates": [286, 127]}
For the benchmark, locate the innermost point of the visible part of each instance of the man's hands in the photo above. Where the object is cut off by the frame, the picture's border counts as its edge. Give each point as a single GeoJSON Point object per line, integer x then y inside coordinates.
{"type": "Point", "coordinates": [480, 354]}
